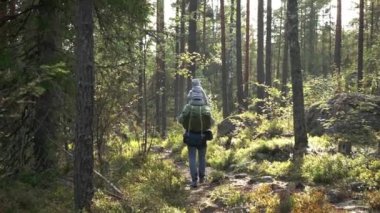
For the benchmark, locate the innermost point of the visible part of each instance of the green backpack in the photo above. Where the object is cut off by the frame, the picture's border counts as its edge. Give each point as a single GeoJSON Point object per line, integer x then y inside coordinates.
{"type": "Point", "coordinates": [196, 118]}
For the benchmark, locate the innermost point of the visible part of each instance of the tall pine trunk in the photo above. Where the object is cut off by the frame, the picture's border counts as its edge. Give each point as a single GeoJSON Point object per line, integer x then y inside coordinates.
{"type": "Point", "coordinates": [360, 44]}
{"type": "Point", "coordinates": [224, 71]}
{"type": "Point", "coordinates": [239, 65]}
{"type": "Point", "coordinates": [260, 56]}
{"type": "Point", "coordinates": [338, 37]}
{"type": "Point", "coordinates": [46, 104]}
{"type": "Point", "coordinates": [85, 79]}
{"type": "Point", "coordinates": [300, 135]}
{"type": "Point", "coordinates": [285, 62]}
{"type": "Point", "coordinates": [176, 64]}
{"type": "Point", "coordinates": [268, 46]}
{"type": "Point", "coordinates": [193, 7]}
{"type": "Point", "coordinates": [182, 45]}
{"type": "Point", "coordinates": [247, 61]}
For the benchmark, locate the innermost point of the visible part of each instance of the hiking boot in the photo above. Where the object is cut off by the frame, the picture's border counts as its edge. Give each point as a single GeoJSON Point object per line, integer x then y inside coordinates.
{"type": "Point", "coordinates": [201, 180]}
{"type": "Point", "coordinates": [193, 184]}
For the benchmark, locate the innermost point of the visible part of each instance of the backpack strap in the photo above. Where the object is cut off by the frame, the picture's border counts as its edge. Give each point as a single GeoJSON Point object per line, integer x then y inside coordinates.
{"type": "Point", "coordinates": [200, 112]}
{"type": "Point", "coordinates": [188, 126]}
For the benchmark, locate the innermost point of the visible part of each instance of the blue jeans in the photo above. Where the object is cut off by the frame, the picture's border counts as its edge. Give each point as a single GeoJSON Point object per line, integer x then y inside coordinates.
{"type": "Point", "coordinates": [194, 171]}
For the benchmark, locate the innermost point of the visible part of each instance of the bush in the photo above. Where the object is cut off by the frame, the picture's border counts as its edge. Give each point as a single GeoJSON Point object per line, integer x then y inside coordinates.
{"type": "Point", "coordinates": [219, 158]}
{"type": "Point", "coordinates": [325, 168]}
{"type": "Point", "coordinates": [313, 201]}
{"type": "Point", "coordinates": [263, 199]}
{"type": "Point", "coordinates": [366, 170]}
{"type": "Point", "coordinates": [216, 176]}
{"type": "Point", "coordinates": [229, 196]}
{"type": "Point", "coordinates": [156, 184]}
{"type": "Point", "coordinates": [373, 199]}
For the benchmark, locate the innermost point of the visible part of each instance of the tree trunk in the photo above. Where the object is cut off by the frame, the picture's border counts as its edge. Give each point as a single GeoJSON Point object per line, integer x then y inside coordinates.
{"type": "Point", "coordinates": [204, 32]}
{"type": "Point", "coordinates": [193, 7]}
{"type": "Point", "coordinates": [177, 55]}
{"type": "Point", "coordinates": [311, 39]}
{"type": "Point", "coordinates": [46, 107]}
{"type": "Point", "coordinates": [230, 61]}
{"type": "Point", "coordinates": [285, 62]}
{"type": "Point", "coordinates": [260, 57]}
{"type": "Point", "coordinates": [224, 71]}
{"type": "Point", "coordinates": [182, 51]}
{"type": "Point", "coordinates": [239, 72]}
{"type": "Point", "coordinates": [85, 78]}
{"type": "Point", "coordinates": [160, 74]}
{"type": "Point", "coordinates": [247, 68]}
{"type": "Point", "coordinates": [338, 37]}
{"type": "Point", "coordinates": [360, 45]}
{"type": "Point", "coordinates": [268, 46]}
{"type": "Point", "coordinates": [140, 108]}
{"type": "Point", "coordinates": [279, 42]}
{"type": "Point", "coordinates": [300, 135]}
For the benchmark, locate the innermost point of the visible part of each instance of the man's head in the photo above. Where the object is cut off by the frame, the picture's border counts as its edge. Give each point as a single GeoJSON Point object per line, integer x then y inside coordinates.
{"type": "Point", "coordinates": [195, 82]}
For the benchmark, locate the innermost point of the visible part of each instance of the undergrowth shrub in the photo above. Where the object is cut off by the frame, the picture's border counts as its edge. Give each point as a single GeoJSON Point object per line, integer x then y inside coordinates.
{"type": "Point", "coordinates": [229, 196]}
{"type": "Point", "coordinates": [320, 142]}
{"type": "Point", "coordinates": [366, 170]}
{"type": "Point", "coordinates": [50, 196]}
{"type": "Point", "coordinates": [263, 199]}
{"type": "Point", "coordinates": [313, 201]}
{"type": "Point", "coordinates": [373, 199]}
{"type": "Point", "coordinates": [216, 176]}
{"type": "Point", "coordinates": [155, 185]}
{"type": "Point", "coordinates": [219, 158]}
{"type": "Point", "coordinates": [324, 168]}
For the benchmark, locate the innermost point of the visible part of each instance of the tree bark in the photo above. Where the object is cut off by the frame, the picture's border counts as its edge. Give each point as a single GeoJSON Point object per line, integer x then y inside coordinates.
{"type": "Point", "coordinates": [230, 62]}
{"type": "Point", "coordinates": [300, 135]}
{"type": "Point", "coordinates": [182, 51]}
{"type": "Point", "coordinates": [285, 62]}
{"type": "Point", "coordinates": [260, 57]}
{"type": "Point", "coordinates": [279, 42]}
{"type": "Point", "coordinates": [193, 7]}
{"type": "Point", "coordinates": [85, 78]}
{"type": "Point", "coordinates": [176, 64]}
{"type": "Point", "coordinates": [268, 46]}
{"type": "Point", "coordinates": [224, 71]}
{"type": "Point", "coordinates": [247, 68]}
{"type": "Point", "coordinates": [338, 37]}
{"type": "Point", "coordinates": [239, 65]}
{"type": "Point", "coordinates": [46, 104]}
{"type": "Point", "coordinates": [360, 45]}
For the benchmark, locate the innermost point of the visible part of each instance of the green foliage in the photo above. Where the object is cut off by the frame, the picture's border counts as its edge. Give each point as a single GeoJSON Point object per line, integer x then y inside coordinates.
{"type": "Point", "coordinates": [155, 185]}
{"type": "Point", "coordinates": [322, 142]}
{"type": "Point", "coordinates": [373, 199]}
{"type": "Point", "coordinates": [266, 147]}
{"type": "Point", "coordinates": [219, 158]}
{"type": "Point", "coordinates": [264, 199]}
{"type": "Point", "coordinates": [319, 89]}
{"type": "Point", "coordinates": [365, 169]}
{"type": "Point", "coordinates": [277, 169]}
{"type": "Point", "coordinates": [48, 196]}
{"type": "Point", "coordinates": [324, 168]}
{"type": "Point", "coordinates": [216, 176]}
{"type": "Point", "coordinates": [312, 201]}
{"type": "Point", "coordinates": [229, 196]}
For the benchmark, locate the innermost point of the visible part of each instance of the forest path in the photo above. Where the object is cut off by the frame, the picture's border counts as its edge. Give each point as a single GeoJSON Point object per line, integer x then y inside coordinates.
{"type": "Point", "coordinates": [200, 198]}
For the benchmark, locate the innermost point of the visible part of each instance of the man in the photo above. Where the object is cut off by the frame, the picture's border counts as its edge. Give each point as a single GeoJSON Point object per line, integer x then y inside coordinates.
{"type": "Point", "coordinates": [197, 121]}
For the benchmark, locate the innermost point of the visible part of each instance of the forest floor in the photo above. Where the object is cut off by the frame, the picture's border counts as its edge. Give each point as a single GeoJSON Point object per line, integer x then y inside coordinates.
{"type": "Point", "coordinates": [203, 197]}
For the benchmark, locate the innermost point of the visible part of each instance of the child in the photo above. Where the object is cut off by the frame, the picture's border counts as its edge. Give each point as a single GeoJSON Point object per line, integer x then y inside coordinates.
{"type": "Point", "coordinates": [197, 96]}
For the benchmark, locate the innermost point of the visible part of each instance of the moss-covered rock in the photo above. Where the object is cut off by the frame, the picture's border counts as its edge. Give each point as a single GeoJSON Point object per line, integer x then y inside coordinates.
{"type": "Point", "coordinates": [232, 125]}
{"type": "Point", "coordinates": [345, 114]}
